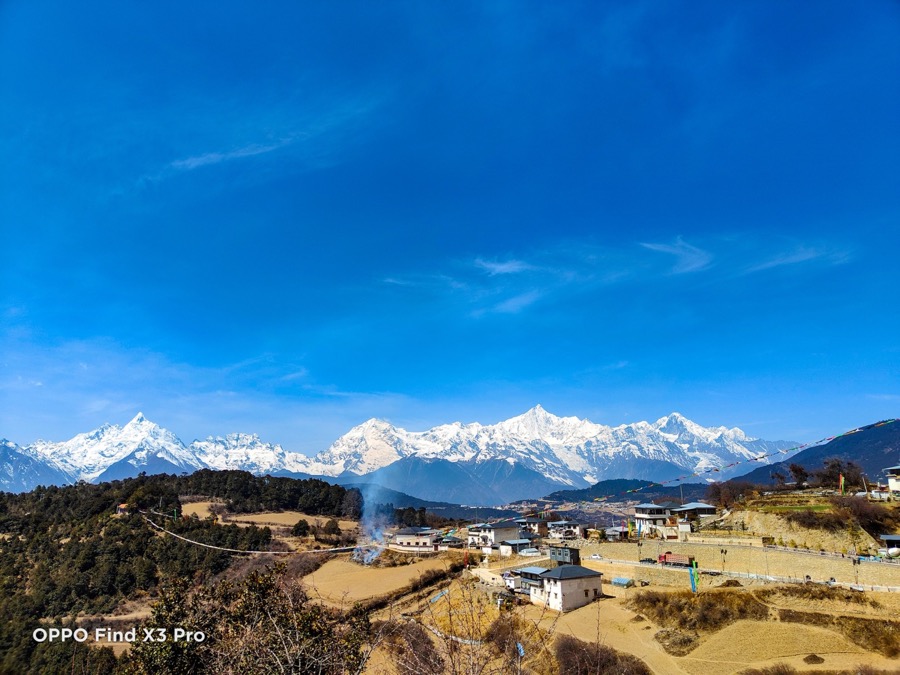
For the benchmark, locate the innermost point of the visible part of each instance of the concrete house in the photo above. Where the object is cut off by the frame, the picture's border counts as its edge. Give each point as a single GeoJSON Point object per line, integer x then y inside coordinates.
{"type": "Point", "coordinates": [567, 587]}
{"type": "Point", "coordinates": [510, 546]}
{"type": "Point", "coordinates": [694, 510]}
{"type": "Point", "coordinates": [524, 579]}
{"type": "Point", "coordinates": [490, 534]}
{"type": "Point", "coordinates": [657, 515]}
{"type": "Point", "coordinates": [566, 529]}
{"type": "Point", "coordinates": [893, 476]}
{"type": "Point", "coordinates": [418, 539]}
{"type": "Point", "coordinates": [536, 526]}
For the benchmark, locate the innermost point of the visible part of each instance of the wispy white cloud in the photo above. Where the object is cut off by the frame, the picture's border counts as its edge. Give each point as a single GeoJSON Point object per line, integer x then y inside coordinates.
{"type": "Point", "coordinates": [300, 374]}
{"type": "Point", "coordinates": [55, 392]}
{"type": "Point", "coordinates": [512, 284]}
{"type": "Point", "coordinates": [801, 254]}
{"type": "Point", "coordinates": [688, 258]}
{"type": "Point", "coordinates": [517, 303]}
{"type": "Point", "coordinates": [495, 267]}
{"type": "Point", "coordinates": [884, 397]}
{"type": "Point", "coordinates": [209, 158]}
{"type": "Point", "coordinates": [314, 138]}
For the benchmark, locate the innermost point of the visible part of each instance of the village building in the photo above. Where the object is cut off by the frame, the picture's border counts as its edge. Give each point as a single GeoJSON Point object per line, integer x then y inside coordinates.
{"type": "Point", "coordinates": [524, 579]}
{"type": "Point", "coordinates": [567, 587]}
{"type": "Point", "coordinates": [891, 544]}
{"type": "Point", "coordinates": [893, 476]}
{"type": "Point", "coordinates": [418, 539]}
{"type": "Point", "coordinates": [563, 555]}
{"type": "Point", "coordinates": [450, 541]}
{"type": "Point", "coordinates": [617, 533]}
{"type": "Point", "coordinates": [566, 529]}
{"type": "Point", "coordinates": [694, 511]}
{"type": "Point", "coordinates": [487, 535]}
{"type": "Point", "coordinates": [511, 546]}
{"type": "Point", "coordinates": [535, 526]}
{"type": "Point", "coordinates": [651, 516]}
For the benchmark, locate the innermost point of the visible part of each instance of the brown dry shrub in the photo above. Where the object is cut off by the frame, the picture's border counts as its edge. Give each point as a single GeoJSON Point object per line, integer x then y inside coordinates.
{"type": "Point", "coordinates": [412, 651]}
{"type": "Point", "coordinates": [503, 634]}
{"type": "Point", "coordinates": [676, 642]}
{"type": "Point", "coordinates": [777, 669]}
{"type": "Point", "coordinates": [704, 611]}
{"type": "Point", "coordinates": [576, 657]}
{"type": "Point", "coordinates": [806, 618]}
{"type": "Point", "coordinates": [872, 634]}
{"type": "Point", "coordinates": [813, 520]}
{"type": "Point", "coordinates": [874, 518]}
{"type": "Point", "coordinates": [817, 593]}
{"type": "Point", "coordinates": [813, 659]}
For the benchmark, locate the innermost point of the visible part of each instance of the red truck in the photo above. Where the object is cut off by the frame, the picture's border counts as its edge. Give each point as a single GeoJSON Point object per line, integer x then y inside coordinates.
{"type": "Point", "coordinates": [676, 559]}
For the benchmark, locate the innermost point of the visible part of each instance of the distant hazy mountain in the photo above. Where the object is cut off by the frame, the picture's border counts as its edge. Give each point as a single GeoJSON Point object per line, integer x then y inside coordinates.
{"type": "Point", "coordinates": [378, 494]}
{"type": "Point", "coordinates": [874, 448]}
{"type": "Point", "coordinates": [21, 472]}
{"type": "Point", "coordinates": [526, 456]}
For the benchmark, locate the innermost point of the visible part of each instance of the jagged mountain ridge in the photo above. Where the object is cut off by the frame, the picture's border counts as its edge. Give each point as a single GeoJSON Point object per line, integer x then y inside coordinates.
{"type": "Point", "coordinates": [562, 451]}
{"type": "Point", "coordinates": [566, 450]}
{"type": "Point", "coordinates": [21, 472]}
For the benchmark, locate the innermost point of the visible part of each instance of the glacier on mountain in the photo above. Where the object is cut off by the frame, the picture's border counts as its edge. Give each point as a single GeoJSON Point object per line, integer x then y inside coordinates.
{"type": "Point", "coordinates": [566, 451]}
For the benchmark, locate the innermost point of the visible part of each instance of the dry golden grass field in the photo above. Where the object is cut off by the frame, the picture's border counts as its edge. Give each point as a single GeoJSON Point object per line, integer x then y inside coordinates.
{"type": "Point", "coordinates": [199, 509]}
{"type": "Point", "coordinates": [276, 519]}
{"type": "Point", "coordinates": [734, 648]}
{"type": "Point", "coordinates": [341, 582]}
{"type": "Point", "coordinates": [287, 519]}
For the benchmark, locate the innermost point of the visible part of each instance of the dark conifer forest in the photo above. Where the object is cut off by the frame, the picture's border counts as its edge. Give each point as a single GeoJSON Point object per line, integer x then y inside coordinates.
{"type": "Point", "coordinates": [65, 552]}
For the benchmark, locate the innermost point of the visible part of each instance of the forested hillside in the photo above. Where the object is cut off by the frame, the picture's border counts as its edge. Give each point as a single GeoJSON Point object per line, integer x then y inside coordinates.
{"type": "Point", "coordinates": [64, 551]}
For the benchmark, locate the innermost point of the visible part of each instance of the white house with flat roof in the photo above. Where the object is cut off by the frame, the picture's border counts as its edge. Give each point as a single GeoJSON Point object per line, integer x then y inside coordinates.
{"type": "Point", "coordinates": [418, 539]}
{"type": "Point", "coordinates": [893, 476]}
{"type": "Point", "coordinates": [484, 535]}
{"type": "Point", "coordinates": [524, 578]}
{"type": "Point", "coordinates": [694, 510]}
{"type": "Point", "coordinates": [566, 529]}
{"type": "Point", "coordinates": [536, 526]}
{"type": "Point", "coordinates": [567, 587]}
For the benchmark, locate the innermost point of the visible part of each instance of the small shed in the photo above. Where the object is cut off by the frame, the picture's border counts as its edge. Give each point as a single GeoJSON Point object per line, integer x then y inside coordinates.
{"type": "Point", "coordinates": [563, 555]}
{"type": "Point", "coordinates": [510, 546]}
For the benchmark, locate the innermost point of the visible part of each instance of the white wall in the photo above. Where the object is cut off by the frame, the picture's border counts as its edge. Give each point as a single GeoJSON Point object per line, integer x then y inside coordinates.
{"type": "Point", "coordinates": [568, 594]}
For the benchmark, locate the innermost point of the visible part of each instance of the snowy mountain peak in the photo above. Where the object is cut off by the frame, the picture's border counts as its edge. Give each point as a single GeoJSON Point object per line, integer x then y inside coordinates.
{"type": "Point", "coordinates": [139, 420]}
{"type": "Point", "coordinates": [566, 451]}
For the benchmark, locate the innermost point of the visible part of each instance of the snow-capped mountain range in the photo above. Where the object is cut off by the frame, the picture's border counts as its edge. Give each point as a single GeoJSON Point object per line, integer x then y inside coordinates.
{"type": "Point", "coordinates": [545, 451]}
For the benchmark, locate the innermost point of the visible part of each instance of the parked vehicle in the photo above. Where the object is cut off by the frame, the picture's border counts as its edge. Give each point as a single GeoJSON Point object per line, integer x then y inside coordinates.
{"type": "Point", "coordinates": [676, 559]}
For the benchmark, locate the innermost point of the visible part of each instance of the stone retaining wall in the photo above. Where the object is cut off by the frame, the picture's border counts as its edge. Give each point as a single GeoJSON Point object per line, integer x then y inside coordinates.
{"type": "Point", "coordinates": [754, 560]}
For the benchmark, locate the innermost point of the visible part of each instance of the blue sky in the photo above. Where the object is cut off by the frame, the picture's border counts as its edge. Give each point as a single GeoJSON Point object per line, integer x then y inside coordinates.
{"type": "Point", "coordinates": [289, 218]}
